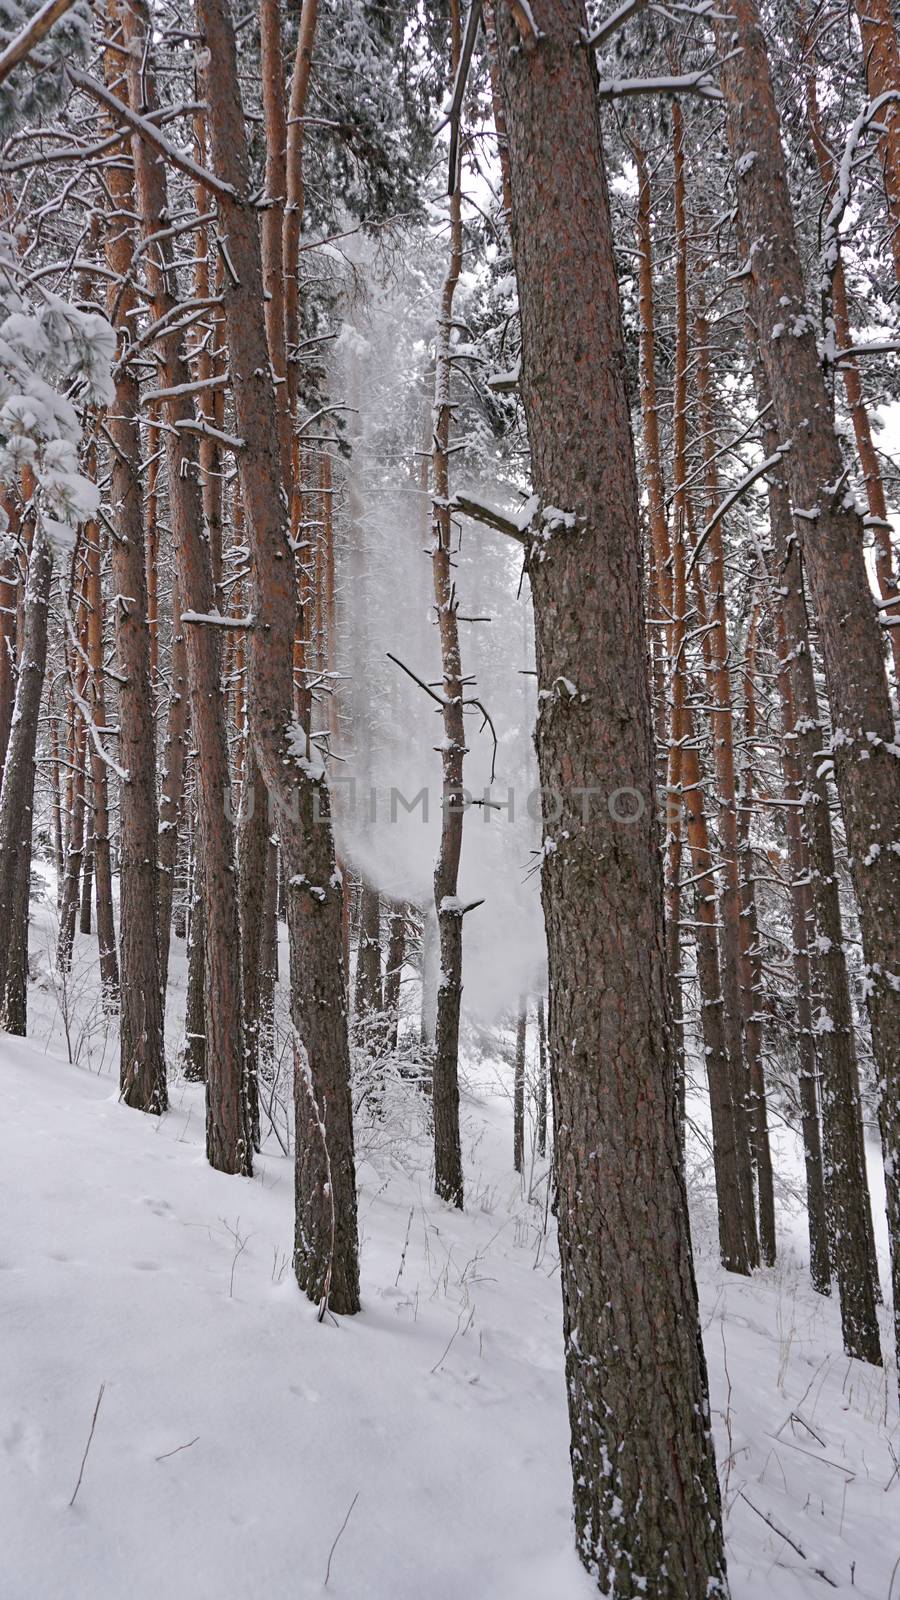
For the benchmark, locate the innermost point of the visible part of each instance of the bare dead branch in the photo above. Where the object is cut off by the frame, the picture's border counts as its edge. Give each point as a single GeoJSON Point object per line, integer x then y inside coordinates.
{"type": "Point", "coordinates": [337, 1536]}
{"type": "Point", "coordinates": [88, 1445]}
{"type": "Point", "coordinates": [468, 506]}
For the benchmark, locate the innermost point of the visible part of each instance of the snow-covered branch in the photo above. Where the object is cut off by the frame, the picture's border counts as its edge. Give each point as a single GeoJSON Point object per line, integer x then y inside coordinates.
{"type": "Point", "coordinates": [31, 35]}
{"type": "Point", "coordinates": [702, 82]}
{"type": "Point", "coordinates": [722, 509]}
{"type": "Point", "coordinates": [148, 131]}
{"type": "Point", "coordinates": [469, 506]}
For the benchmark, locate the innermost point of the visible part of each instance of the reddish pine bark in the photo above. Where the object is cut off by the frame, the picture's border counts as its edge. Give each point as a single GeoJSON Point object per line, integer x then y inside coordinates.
{"type": "Point", "coordinates": [867, 773]}
{"type": "Point", "coordinates": [737, 904]}
{"type": "Point", "coordinates": [852, 377]}
{"type": "Point", "coordinates": [293, 212]}
{"type": "Point", "coordinates": [143, 1065]}
{"type": "Point", "coordinates": [325, 1256]}
{"type": "Point", "coordinates": [719, 1003]}
{"type": "Point", "coordinates": [882, 59]}
{"type": "Point", "coordinates": [846, 1190]}
{"type": "Point", "coordinates": [227, 1134]}
{"type": "Point", "coordinates": [645, 1489]}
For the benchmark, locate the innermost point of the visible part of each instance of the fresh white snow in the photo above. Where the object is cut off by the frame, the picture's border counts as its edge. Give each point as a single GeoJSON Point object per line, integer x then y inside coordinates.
{"type": "Point", "coordinates": [235, 1431]}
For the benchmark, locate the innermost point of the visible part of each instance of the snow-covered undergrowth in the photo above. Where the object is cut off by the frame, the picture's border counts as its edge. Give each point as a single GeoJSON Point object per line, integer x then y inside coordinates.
{"type": "Point", "coordinates": [235, 1433]}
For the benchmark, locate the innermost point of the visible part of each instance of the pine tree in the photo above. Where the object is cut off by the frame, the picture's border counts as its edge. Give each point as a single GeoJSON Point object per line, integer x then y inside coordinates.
{"type": "Point", "coordinates": [628, 1290]}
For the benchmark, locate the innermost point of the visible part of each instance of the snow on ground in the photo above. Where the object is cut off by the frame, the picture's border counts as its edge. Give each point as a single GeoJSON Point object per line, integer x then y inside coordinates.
{"type": "Point", "coordinates": [235, 1432]}
{"type": "Point", "coordinates": [127, 1261]}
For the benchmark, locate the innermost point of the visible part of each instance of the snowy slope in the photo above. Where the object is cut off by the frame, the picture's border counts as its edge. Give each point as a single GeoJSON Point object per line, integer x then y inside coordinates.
{"type": "Point", "coordinates": [234, 1431]}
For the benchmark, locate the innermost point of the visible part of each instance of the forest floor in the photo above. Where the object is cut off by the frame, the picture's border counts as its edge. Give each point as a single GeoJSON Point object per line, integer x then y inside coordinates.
{"type": "Point", "coordinates": [237, 1438]}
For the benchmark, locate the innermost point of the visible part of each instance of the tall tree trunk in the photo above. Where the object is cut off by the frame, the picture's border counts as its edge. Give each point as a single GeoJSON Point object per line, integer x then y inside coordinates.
{"type": "Point", "coordinates": [393, 970]}
{"type": "Point", "coordinates": [106, 927]}
{"type": "Point", "coordinates": [519, 1089]}
{"type": "Point", "coordinates": [228, 1144]}
{"type": "Point", "coordinates": [253, 844]}
{"type": "Point", "coordinates": [646, 1494]}
{"type": "Point", "coordinates": [448, 1173]}
{"type": "Point", "coordinates": [71, 895]}
{"type": "Point", "coordinates": [172, 793]}
{"type": "Point", "coordinates": [85, 921]}
{"type": "Point", "coordinates": [255, 822]}
{"type": "Point", "coordinates": [750, 966]}
{"type": "Point", "coordinates": [802, 926]}
{"type": "Point", "coordinates": [722, 730]}
{"type": "Point", "coordinates": [661, 554]}
{"type": "Point", "coordinates": [882, 56]}
{"type": "Point", "coordinates": [195, 1057]}
{"type": "Point", "coordinates": [8, 588]}
{"type": "Point", "coordinates": [721, 1038]}
{"type": "Point", "coordinates": [867, 773]}
{"type": "Point", "coordinates": [431, 956]}
{"type": "Point", "coordinates": [152, 548]}
{"type": "Point", "coordinates": [325, 1254]}
{"type": "Point", "coordinates": [853, 388]}
{"type": "Point", "coordinates": [293, 212]}
{"type": "Point", "coordinates": [142, 1062]}
{"type": "Point", "coordinates": [686, 780]}
{"type": "Point", "coordinates": [542, 1080]}
{"type": "Point", "coordinates": [56, 796]}
{"type": "Point", "coordinates": [844, 1170]}
{"type": "Point", "coordinates": [14, 997]}
{"type": "Point", "coordinates": [17, 791]}
{"type": "Point", "coordinates": [368, 994]}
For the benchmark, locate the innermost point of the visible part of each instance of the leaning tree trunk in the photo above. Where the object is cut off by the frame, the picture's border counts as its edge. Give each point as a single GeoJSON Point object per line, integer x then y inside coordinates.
{"type": "Point", "coordinates": [867, 773]}
{"type": "Point", "coordinates": [326, 1252]}
{"type": "Point", "coordinates": [646, 1494]}
{"type": "Point", "coordinates": [143, 1062]}
{"type": "Point", "coordinates": [844, 1168]}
